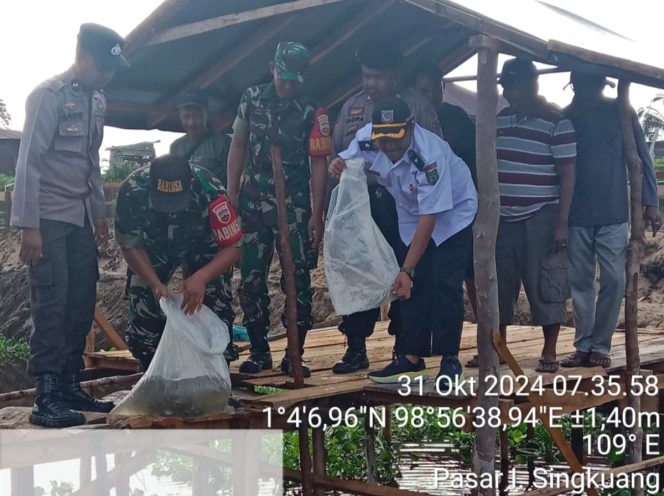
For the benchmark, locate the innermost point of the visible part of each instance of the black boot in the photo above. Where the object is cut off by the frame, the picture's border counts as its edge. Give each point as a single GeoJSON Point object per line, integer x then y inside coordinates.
{"type": "Point", "coordinates": [355, 358]}
{"type": "Point", "coordinates": [257, 362]}
{"type": "Point", "coordinates": [231, 353]}
{"type": "Point", "coordinates": [288, 370]}
{"type": "Point", "coordinates": [75, 398]}
{"type": "Point", "coordinates": [49, 409]}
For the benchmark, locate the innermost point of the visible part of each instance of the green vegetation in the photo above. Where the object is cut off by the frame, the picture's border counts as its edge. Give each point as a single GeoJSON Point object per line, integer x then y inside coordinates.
{"type": "Point", "coordinates": [659, 164]}
{"type": "Point", "coordinates": [5, 180]}
{"type": "Point", "coordinates": [13, 349]}
{"type": "Point", "coordinates": [57, 489]}
{"type": "Point", "coordinates": [116, 174]}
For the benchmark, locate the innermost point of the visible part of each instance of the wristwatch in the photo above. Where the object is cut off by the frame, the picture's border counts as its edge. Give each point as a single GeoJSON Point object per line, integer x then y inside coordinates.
{"type": "Point", "coordinates": [408, 270]}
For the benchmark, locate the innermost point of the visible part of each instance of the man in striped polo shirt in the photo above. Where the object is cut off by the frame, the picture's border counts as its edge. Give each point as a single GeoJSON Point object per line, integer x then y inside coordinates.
{"type": "Point", "coordinates": [536, 149]}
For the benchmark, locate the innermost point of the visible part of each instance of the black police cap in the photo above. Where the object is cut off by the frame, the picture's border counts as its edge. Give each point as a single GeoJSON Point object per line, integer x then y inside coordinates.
{"type": "Point", "coordinates": [103, 44]}
{"type": "Point", "coordinates": [379, 54]}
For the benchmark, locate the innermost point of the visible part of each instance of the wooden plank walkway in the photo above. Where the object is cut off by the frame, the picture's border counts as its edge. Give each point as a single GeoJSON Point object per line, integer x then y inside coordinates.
{"type": "Point", "coordinates": [325, 347]}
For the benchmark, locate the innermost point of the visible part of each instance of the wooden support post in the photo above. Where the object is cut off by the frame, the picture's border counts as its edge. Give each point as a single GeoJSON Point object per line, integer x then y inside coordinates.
{"type": "Point", "coordinates": [122, 481]}
{"type": "Point", "coordinates": [111, 334]}
{"type": "Point", "coordinates": [101, 471]}
{"type": "Point", "coordinates": [370, 450]}
{"type": "Point", "coordinates": [485, 231]}
{"type": "Point", "coordinates": [530, 459]}
{"type": "Point", "coordinates": [320, 457]}
{"type": "Point", "coordinates": [660, 410]}
{"type": "Point", "coordinates": [504, 460]}
{"type": "Point", "coordinates": [84, 471]}
{"type": "Point", "coordinates": [577, 443]}
{"type": "Point", "coordinates": [541, 410]}
{"type": "Point", "coordinates": [305, 461]}
{"type": "Point", "coordinates": [89, 348]}
{"type": "Point", "coordinates": [634, 253]}
{"type": "Point", "coordinates": [387, 432]}
{"type": "Point", "coordinates": [22, 481]}
{"type": "Point", "coordinates": [287, 267]}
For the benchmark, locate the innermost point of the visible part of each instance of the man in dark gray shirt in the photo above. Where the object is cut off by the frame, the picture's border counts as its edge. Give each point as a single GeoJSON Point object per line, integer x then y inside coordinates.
{"type": "Point", "coordinates": [598, 221]}
{"type": "Point", "coordinates": [58, 198]}
{"type": "Point", "coordinates": [202, 146]}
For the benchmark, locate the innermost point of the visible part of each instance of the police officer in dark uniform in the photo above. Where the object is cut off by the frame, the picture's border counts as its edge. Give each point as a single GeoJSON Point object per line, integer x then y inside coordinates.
{"type": "Point", "coordinates": [59, 206]}
{"type": "Point", "coordinates": [380, 62]}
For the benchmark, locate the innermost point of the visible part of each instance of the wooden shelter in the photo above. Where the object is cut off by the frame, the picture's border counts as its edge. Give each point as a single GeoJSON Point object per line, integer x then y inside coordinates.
{"type": "Point", "coordinates": [223, 47]}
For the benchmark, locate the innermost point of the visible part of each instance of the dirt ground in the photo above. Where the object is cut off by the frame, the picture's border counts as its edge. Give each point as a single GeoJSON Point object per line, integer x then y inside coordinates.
{"type": "Point", "coordinates": [15, 306]}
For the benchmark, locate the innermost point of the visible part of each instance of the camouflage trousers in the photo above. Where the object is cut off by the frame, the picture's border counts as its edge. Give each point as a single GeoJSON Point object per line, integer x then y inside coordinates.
{"type": "Point", "coordinates": [257, 251]}
{"type": "Point", "coordinates": [147, 321]}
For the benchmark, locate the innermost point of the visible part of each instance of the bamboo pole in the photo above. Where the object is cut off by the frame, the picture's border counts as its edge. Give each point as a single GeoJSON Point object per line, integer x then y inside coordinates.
{"type": "Point", "coordinates": [287, 267]}
{"type": "Point", "coordinates": [634, 253]}
{"type": "Point", "coordinates": [485, 231]}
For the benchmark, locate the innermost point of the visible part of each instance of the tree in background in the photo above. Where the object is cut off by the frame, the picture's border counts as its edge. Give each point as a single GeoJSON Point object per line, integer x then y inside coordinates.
{"type": "Point", "coordinates": [5, 117]}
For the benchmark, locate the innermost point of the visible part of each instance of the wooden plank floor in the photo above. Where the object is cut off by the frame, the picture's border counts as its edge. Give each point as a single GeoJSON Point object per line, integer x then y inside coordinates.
{"type": "Point", "coordinates": [324, 347]}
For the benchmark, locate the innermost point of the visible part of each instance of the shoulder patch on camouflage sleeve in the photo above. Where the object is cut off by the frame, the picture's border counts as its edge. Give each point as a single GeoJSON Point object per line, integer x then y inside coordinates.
{"type": "Point", "coordinates": [224, 222]}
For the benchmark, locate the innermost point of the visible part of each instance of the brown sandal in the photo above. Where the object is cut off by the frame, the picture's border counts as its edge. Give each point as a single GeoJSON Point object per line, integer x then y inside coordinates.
{"type": "Point", "coordinates": [576, 359]}
{"type": "Point", "coordinates": [547, 366]}
{"type": "Point", "coordinates": [599, 360]}
{"type": "Point", "coordinates": [474, 362]}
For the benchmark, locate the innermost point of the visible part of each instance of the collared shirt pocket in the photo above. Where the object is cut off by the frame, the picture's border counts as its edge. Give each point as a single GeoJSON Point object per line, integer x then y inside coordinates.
{"type": "Point", "coordinates": [70, 136]}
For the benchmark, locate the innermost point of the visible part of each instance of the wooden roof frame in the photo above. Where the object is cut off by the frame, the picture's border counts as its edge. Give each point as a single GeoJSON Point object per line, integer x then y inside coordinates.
{"type": "Point", "coordinates": [161, 28]}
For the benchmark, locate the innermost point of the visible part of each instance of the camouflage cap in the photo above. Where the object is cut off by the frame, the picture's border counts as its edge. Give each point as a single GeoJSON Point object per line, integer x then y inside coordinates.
{"type": "Point", "coordinates": [290, 60]}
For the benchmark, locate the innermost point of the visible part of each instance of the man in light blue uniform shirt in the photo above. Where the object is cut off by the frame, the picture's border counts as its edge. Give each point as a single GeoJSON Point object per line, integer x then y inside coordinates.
{"type": "Point", "coordinates": [436, 204]}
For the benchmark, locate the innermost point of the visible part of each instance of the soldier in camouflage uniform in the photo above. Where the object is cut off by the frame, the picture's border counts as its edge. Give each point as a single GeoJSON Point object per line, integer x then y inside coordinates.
{"type": "Point", "coordinates": [278, 113]}
{"type": "Point", "coordinates": [171, 215]}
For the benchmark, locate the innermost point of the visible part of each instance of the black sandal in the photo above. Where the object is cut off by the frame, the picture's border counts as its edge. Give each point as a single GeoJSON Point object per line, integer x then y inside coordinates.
{"type": "Point", "coordinates": [576, 359]}
{"type": "Point", "coordinates": [599, 360]}
{"type": "Point", "coordinates": [547, 366]}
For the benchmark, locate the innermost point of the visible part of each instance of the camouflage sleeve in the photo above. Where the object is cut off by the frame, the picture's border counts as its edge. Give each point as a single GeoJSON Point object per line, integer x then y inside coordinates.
{"type": "Point", "coordinates": [128, 231]}
{"type": "Point", "coordinates": [241, 124]}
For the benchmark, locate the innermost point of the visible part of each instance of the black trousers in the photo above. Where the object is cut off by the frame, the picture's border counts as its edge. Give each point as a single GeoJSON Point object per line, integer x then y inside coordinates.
{"type": "Point", "coordinates": [384, 214]}
{"type": "Point", "coordinates": [433, 316]}
{"type": "Point", "coordinates": [63, 292]}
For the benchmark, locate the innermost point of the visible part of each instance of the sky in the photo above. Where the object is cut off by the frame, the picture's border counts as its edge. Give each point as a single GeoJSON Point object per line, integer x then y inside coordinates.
{"type": "Point", "coordinates": [40, 36]}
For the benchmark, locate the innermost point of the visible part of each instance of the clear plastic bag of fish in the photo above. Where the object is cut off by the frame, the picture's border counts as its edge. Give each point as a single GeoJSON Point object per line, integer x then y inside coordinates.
{"type": "Point", "coordinates": [188, 376]}
{"type": "Point", "coordinates": [360, 266]}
